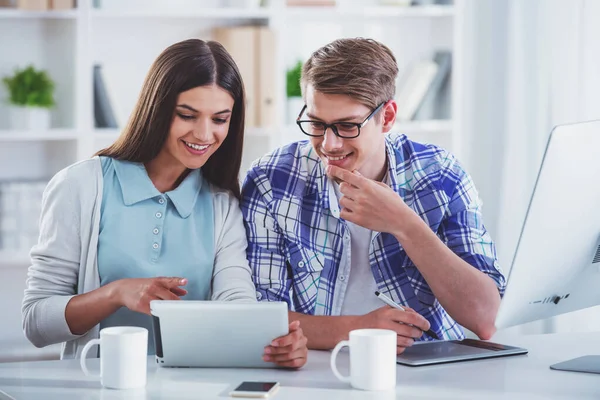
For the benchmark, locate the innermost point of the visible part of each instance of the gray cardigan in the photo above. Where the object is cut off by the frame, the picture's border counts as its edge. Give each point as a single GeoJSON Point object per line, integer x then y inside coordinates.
{"type": "Point", "coordinates": [63, 263]}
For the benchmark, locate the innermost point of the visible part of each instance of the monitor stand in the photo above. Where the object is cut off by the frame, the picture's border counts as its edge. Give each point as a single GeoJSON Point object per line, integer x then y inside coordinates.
{"type": "Point", "coordinates": [590, 364]}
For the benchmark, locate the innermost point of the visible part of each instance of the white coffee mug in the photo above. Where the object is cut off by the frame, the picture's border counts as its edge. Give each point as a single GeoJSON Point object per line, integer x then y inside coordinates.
{"type": "Point", "coordinates": [123, 357]}
{"type": "Point", "coordinates": [372, 359]}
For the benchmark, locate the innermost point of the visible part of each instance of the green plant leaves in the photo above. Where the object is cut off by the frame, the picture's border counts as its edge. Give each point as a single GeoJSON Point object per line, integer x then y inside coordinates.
{"type": "Point", "coordinates": [293, 80]}
{"type": "Point", "coordinates": [30, 88]}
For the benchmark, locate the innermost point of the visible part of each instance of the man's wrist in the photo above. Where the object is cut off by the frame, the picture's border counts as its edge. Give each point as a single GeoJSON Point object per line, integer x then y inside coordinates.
{"type": "Point", "coordinates": [349, 323]}
{"type": "Point", "coordinates": [406, 223]}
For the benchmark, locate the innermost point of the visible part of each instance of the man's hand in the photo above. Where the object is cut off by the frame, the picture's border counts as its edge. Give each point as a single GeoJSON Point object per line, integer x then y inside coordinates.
{"type": "Point", "coordinates": [370, 204]}
{"type": "Point", "coordinates": [288, 351]}
{"type": "Point", "coordinates": [136, 294]}
{"type": "Point", "coordinates": [396, 320]}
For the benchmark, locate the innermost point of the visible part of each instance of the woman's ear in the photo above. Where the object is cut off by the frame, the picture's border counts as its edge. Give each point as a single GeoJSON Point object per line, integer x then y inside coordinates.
{"type": "Point", "coordinates": [389, 111]}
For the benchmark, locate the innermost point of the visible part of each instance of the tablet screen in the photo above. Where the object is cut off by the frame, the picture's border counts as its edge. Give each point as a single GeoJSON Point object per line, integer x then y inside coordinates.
{"type": "Point", "coordinates": [440, 349]}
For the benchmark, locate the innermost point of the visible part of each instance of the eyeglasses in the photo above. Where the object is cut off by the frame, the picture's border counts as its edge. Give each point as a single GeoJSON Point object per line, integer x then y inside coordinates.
{"type": "Point", "coordinates": [345, 130]}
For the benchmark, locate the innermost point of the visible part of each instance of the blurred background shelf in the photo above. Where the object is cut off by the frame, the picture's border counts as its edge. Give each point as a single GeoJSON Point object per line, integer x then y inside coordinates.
{"type": "Point", "coordinates": [117, 44]}
{"type": "Point", "coordinates": [50, 135]}
{"type": "Point", "coordinates": [6, 13]}
{"type": "Point", "coordinates": [308, 13]}
{"type": "Point", "coordinates": [198, 13]}
{"type": "Point", "coordinates": [312, 13]}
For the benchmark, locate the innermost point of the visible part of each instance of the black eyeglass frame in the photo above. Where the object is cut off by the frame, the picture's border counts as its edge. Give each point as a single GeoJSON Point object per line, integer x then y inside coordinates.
{"type": "Point", "coordinates": [333, 126]}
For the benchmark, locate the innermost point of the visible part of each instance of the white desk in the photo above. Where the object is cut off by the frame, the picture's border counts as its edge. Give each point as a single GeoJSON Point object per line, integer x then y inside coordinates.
{"type": "Point", "coordinates": [517, 377]}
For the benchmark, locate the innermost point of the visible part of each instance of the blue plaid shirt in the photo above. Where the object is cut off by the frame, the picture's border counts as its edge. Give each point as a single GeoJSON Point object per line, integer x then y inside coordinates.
{"type": "Point", "coordinates": [295, 235]}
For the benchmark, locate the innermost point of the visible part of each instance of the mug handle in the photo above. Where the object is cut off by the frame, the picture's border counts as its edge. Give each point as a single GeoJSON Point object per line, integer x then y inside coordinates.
{"type": "Point", "coordinates": [336, 350]}
{"type": "Point", "coordinates": [84, 352]}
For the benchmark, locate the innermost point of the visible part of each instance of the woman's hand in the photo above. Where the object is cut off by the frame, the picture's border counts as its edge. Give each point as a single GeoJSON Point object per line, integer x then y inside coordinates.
{"type": "Point", "coordinates": [136, 293]}
{"type": "Point", "coordinates": [290, 350]}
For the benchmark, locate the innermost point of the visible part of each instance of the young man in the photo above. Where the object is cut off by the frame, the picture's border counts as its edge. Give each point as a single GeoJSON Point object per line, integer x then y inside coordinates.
{"type": "Point", "coordinates": [357, 210]}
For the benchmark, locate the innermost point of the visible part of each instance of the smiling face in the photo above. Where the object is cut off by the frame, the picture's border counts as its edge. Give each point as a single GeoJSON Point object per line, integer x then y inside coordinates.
{"type": "Point", "coordinates": [199, 126]}
{"type": "Point", "coordinates": [365, 153]}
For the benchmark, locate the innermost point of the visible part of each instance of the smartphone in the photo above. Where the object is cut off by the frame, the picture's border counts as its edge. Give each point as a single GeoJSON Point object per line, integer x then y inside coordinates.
{"type": "Point", "coordinates": [255, 389]}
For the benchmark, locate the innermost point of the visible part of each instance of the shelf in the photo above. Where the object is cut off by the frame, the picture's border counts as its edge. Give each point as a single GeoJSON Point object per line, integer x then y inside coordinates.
{"type": "Point", "coordinates": [220, 13]}
{"type": "Point", "coordinates": [429, 126]}
{"type": "Point", "coordinates": [14, 258]}
{"type": "Point", "coordinates": [370, 12]}
{"type": "Point", "coordinates": [27, 136]}
{"type": "Point", "coordinates": [287, 12]}
{"type": "Point", "coordinates": [16, 13]}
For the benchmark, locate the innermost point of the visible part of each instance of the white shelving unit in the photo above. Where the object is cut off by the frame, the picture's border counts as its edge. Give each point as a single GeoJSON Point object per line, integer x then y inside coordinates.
{"type": "Point", "coordinates": [369, 12]}
{"type": "Point", "coordinates": [126, 41]}
{"type": "Point", "coordinates": [34, 136]}
{"type": "Point", "coordinates": [22, 14]}
{"type": "Point", "coordinates": [224, 13]}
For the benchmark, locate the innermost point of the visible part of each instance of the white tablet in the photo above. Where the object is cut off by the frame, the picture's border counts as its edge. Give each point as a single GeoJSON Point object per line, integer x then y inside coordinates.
{"type": "Point", "coordinates": [446, 351]}
{"type": "Point", "coordinates": [194, 333]}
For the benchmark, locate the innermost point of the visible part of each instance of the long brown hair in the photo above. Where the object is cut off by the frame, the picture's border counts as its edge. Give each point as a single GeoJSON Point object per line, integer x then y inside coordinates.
{"type": "Point", "coordinates": [181, 67]}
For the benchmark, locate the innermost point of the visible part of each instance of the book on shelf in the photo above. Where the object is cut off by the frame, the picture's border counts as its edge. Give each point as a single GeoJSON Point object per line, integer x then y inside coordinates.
{"type": "Point", "coordinates": [103, 113]}
{"type": "Point", "coordinates": [413, 86]}
{"type": "Point", "coordinates": [240, 42]}
{"type": "Point", "coordinates": [424, 89]}
{"type": "Point", "coordinates": [253, 50]}
{"type": "Point", "coordinates": [266, 85]}
{"type": "Point", "coordinates": [62, 4]}
{"type": "Point", "coordinates": [20, 208]}
{"type": "Point", "coordinates": [32, 5]}
{"type": "Point", "coordinates": [436, 101]}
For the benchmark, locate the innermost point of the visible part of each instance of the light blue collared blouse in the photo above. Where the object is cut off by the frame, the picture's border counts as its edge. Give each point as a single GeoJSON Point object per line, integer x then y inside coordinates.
{"type": "Point", "coordinates": [145, 233]}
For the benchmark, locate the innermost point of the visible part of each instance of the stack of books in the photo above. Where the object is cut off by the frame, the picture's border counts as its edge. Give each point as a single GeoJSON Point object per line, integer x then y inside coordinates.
{"type": "Point", "coordinates": [20, 208]}
{"type": "Point", "coordinates": [424, 89]}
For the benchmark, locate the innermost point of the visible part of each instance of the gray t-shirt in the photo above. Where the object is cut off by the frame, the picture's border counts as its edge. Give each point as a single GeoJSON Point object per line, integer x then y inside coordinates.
{"type": "Point", "coordinates": [359, 297]}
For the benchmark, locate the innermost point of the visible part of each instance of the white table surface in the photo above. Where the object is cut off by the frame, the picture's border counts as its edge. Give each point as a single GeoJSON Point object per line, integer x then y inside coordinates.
{"type": "Point", "coordinates": [517, 377]}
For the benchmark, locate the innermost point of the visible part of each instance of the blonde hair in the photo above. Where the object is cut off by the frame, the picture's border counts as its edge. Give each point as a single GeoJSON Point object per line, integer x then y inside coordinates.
{"type": "Point", "coordinates": [361, 68]}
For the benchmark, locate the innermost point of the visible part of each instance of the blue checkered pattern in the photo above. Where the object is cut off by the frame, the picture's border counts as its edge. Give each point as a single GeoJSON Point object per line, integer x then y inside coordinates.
{"type": "Point", "coordinates": [295, 242]}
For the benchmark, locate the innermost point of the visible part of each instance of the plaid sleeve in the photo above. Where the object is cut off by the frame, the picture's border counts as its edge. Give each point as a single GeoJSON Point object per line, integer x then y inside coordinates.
{"type": "Point", "coordinates": [462, 228]}
{"type": "Point", "coordinates": [265, 250]}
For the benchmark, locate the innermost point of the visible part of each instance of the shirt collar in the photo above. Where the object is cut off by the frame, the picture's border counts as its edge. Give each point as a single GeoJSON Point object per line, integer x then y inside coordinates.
{"type": "Point", "coordinates": [185, 195]}
{"type": "Point", "coordinates": [392, 165]}
{"type": "Point", "coordinates": [137, 186]}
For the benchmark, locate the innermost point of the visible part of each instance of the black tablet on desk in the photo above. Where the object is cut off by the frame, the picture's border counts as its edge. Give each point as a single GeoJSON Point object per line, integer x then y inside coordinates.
{"type": "Point", "coordinates": [446, 351]}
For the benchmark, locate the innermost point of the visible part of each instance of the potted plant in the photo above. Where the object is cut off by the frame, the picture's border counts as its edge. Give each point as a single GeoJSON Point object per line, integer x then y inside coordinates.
{"type": "Point", "coordinates": [31, 95]}
{"type": "Point", "coordinates": [294, 93]}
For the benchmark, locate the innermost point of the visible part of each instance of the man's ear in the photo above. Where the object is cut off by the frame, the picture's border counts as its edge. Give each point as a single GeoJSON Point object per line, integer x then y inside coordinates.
{"type": "Point", "coordinates": [388, 113]}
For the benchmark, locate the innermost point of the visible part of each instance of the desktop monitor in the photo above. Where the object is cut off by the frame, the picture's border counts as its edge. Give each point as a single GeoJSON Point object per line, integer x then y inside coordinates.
{"type": "Point", "coordinates": [556, 265]}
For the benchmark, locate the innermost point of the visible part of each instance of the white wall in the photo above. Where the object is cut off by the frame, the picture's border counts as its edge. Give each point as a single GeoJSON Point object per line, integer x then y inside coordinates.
{"type": "Point", "coordinates": [534, 65]}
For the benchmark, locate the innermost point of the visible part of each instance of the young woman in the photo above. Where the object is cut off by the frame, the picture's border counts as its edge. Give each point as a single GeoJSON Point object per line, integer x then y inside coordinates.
{"type": "Point", "coordinates": [154, 216]}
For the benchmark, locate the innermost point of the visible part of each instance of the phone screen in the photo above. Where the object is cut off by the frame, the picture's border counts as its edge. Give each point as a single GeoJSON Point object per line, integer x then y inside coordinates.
{"type": "Point", "coordinates": [255, 386]}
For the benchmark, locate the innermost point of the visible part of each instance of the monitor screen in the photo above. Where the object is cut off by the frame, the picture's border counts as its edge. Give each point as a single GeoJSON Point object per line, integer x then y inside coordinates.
{"type": "Point", "coordinates": [556, 266]}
